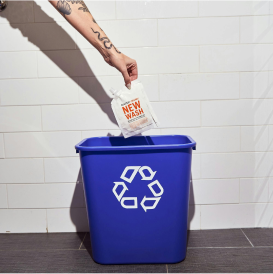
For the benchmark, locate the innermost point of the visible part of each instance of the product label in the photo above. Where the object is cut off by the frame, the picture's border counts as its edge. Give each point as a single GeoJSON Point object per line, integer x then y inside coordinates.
{"type": "Point", "coordinates": [134, 113]}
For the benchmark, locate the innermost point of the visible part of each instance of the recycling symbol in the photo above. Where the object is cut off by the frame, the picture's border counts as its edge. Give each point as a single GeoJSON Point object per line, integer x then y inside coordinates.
{"type": "Point", "coordinates": [138, 169]}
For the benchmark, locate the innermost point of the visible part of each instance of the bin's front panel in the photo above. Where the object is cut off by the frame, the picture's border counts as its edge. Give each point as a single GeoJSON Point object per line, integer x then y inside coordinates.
{"type": "Point", "coordinates": [137, 205]}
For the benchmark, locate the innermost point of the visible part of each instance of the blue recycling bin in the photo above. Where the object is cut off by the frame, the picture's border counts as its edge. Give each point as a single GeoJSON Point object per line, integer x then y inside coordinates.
{"type": "Point", "coordinates": [137, 197]}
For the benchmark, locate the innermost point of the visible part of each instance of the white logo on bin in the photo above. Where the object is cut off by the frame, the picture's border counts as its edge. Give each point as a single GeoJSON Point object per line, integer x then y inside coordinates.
{"type": "Point", "coordinates": [156, 195]}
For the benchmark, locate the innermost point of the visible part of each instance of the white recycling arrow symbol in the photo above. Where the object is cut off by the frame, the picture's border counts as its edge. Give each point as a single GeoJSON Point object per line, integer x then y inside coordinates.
{"type": "Point", "coordinates": [152, 174]}
{"type": "Point", "coordinates": [126, 201]}
{"type": "Point", "coordinates": [129, 180]}
{"type": "Point", "coordinates": [159, 186]}
{"type": "Point", "coordinates": [156, 200]}
{"type": "Point", "coordinates": [119, 196]}
{"type": "Point", "coordinates": [129, 199]}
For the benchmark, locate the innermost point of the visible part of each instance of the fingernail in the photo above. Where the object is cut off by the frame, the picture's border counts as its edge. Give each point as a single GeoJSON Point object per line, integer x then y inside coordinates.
{"type": "Point", "coordinates": [129, 86]}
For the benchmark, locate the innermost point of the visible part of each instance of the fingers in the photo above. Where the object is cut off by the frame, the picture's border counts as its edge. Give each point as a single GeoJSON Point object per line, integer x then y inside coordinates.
{"type": "Point", "coordinates": [127, 79]}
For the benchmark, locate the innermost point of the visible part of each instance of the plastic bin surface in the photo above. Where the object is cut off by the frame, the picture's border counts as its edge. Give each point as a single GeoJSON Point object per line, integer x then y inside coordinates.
{"type": "Point", "coordinates": [137, 197]}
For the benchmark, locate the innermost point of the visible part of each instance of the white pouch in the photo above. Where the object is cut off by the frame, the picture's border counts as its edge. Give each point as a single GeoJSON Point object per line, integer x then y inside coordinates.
{"type": "Point", "coordinates": [133, 110]}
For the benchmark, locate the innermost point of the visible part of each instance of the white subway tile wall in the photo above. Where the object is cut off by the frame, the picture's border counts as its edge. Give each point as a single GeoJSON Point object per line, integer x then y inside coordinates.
{"type": "Point", "coordinates": [2, 153]}
{"type": "Point", "coordinates": [207, 67]}
{"type": "Point", "coordinates": [67, 220]}
{"type": "Point", "coordinates": [3, 196]}
{"type": "Point", "coordinates": [254, 190]}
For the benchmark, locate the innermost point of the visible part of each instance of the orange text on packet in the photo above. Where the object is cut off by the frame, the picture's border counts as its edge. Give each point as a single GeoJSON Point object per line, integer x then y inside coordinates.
{"type": "Point", "coordinates": [132, 110]}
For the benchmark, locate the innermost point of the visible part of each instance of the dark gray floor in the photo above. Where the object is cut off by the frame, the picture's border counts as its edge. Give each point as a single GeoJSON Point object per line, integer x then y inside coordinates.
{"type": "Point", "coordinates": [229, 250]}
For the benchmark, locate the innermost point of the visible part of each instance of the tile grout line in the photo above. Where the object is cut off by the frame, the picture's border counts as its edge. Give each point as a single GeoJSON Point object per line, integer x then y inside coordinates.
{"type": "Point", "coordinates": [60, 249]}
{"type": "Point", "coordinates": [83, 240]}
{"type": "Point", "coordinates": [247, 238]}
{"type": "Point", "coordinates": [217, 247]}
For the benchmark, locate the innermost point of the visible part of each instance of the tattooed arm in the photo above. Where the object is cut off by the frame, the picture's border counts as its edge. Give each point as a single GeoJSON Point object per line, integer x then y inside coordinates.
{"type": "Point", "coordinates": [78, 15]}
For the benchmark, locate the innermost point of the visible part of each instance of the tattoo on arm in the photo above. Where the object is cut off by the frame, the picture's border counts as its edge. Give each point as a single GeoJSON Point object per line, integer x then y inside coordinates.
{"type": "Point", "coordinates": [63, 7]}
{"type": "Point", "coordinates": [84, 8]}
{"type": "Point", "coordinates": [105, 41]}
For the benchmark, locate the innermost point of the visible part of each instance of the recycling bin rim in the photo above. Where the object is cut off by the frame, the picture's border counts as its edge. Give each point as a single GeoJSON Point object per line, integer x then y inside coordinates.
{"type": "Point", "coordinates": [190, 144]}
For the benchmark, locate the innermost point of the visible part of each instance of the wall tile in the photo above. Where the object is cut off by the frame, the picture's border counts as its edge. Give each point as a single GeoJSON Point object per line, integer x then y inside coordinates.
{"type": "Point", "coordinates": [211, 139]}
{"type": "Point", "coordinates": [196, 166]}
{"type": "Point", "coordinates": [156, 9]}
{"type": "Point", "coordinates": [198, 86]}
{"type": "Point", "coordinates": [39, 91]}
{"type": "Point", "coordinates": [254, 138]}
{"type": "Point", "coordinates": [198, 31]}
{"type": "Point", "coordinates": [67, 220]}
{"type": "Point", "coordinates": [235, 58]}
{"type": "Point", "coordinates": [256, 29]}
{"type": "Point", "coordinates": [216, 191]}
{"type": "Point", "coordinates": [3, 196]}
{"type": "Point", "coordinates": [219, 139]}
{"type": "Point", "coordinates": [96, 89]}
{"type": "Point", "coordinates": [23, 220]}
{"type": "Point", "coordinates": [45, 195]}
{"type": "Point", "coordinates": [255, 85]}
{"type": "Point", "coordinates": [168, 113]}
{"type": "Point", "coordinates": [45, 12]}
{"type": "Point", "coordinates": [18, 65]}
{"type": "Point", "coordinates": [254, 190]}
{"type": "Point", "coordinates": [165, 59]}
{"type": "Point", "coordinates": [233, 165]}
{"type": "Point", "coordinates": [2, 152]}
{"type": "Point", "coordinates": [144, 34]}
{"type": "Point", "coordinates": [38, 36]}
{"type": "Point", "coordinates": [41, 144]}
{"type": "Point", "coordinates": [73, 63]}
{"type": "Point", "coordinates": [269, 90]}
{"type": "Point", "coordinates": [18, 12]}
{"type": "Point", "coordinates": [236, 216]}
{"type": "Point", "coordinates": [21, 171]}
{"type": "Point", "coordinates": [270, 137]}
{"type": "Point", "coordinates": [102, 132]}
{"type": "Point", "coordinates": [235, 112]}
{"type": "Point", "coordinates": [16, 40]}
{"type": "Point", "coordinates": [4, 215]}
{"type": "Point", "coordinates": [78, 117]}
{"type": "Point", "coordinates": [65, 195]}
{"type": "Point", "coordinates": [51, 36]}
{"type": "Point", "coordinates": [61, 170]}
{"type": "Point", "coordinates": [194, 217]}
{"type": "Point", "coordinates": [231, 8]}
{"type": "Point", "coordinates": [270, 196]}
{"type": "Point", "coordinates": [27, 196]}
{"type": "Point", "coordinates": [20, 119]}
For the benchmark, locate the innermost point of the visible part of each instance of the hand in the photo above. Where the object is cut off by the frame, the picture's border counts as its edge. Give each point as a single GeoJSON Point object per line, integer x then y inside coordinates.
{"type": "Point", "coordinates": [126, 65]}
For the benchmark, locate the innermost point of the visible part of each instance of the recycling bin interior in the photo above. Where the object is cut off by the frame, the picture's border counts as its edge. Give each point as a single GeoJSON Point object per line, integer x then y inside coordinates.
{"type": "Point", "coordinates": [137, 197]}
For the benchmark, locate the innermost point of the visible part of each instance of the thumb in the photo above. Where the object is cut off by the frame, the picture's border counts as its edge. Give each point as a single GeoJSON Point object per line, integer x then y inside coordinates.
{"type": "Point", "coordinates": [127, 79]}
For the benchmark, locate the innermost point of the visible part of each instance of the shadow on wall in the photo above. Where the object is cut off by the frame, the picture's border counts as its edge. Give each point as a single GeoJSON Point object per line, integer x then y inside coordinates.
{"type": "Point", "coordinates": [65, 65]}
{"type": "Point", "coordinates": [78, 217]}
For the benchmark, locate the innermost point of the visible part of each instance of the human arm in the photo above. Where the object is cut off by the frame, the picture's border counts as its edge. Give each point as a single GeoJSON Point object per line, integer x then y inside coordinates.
{"type": "Point", "coordinates": [78, 15]}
